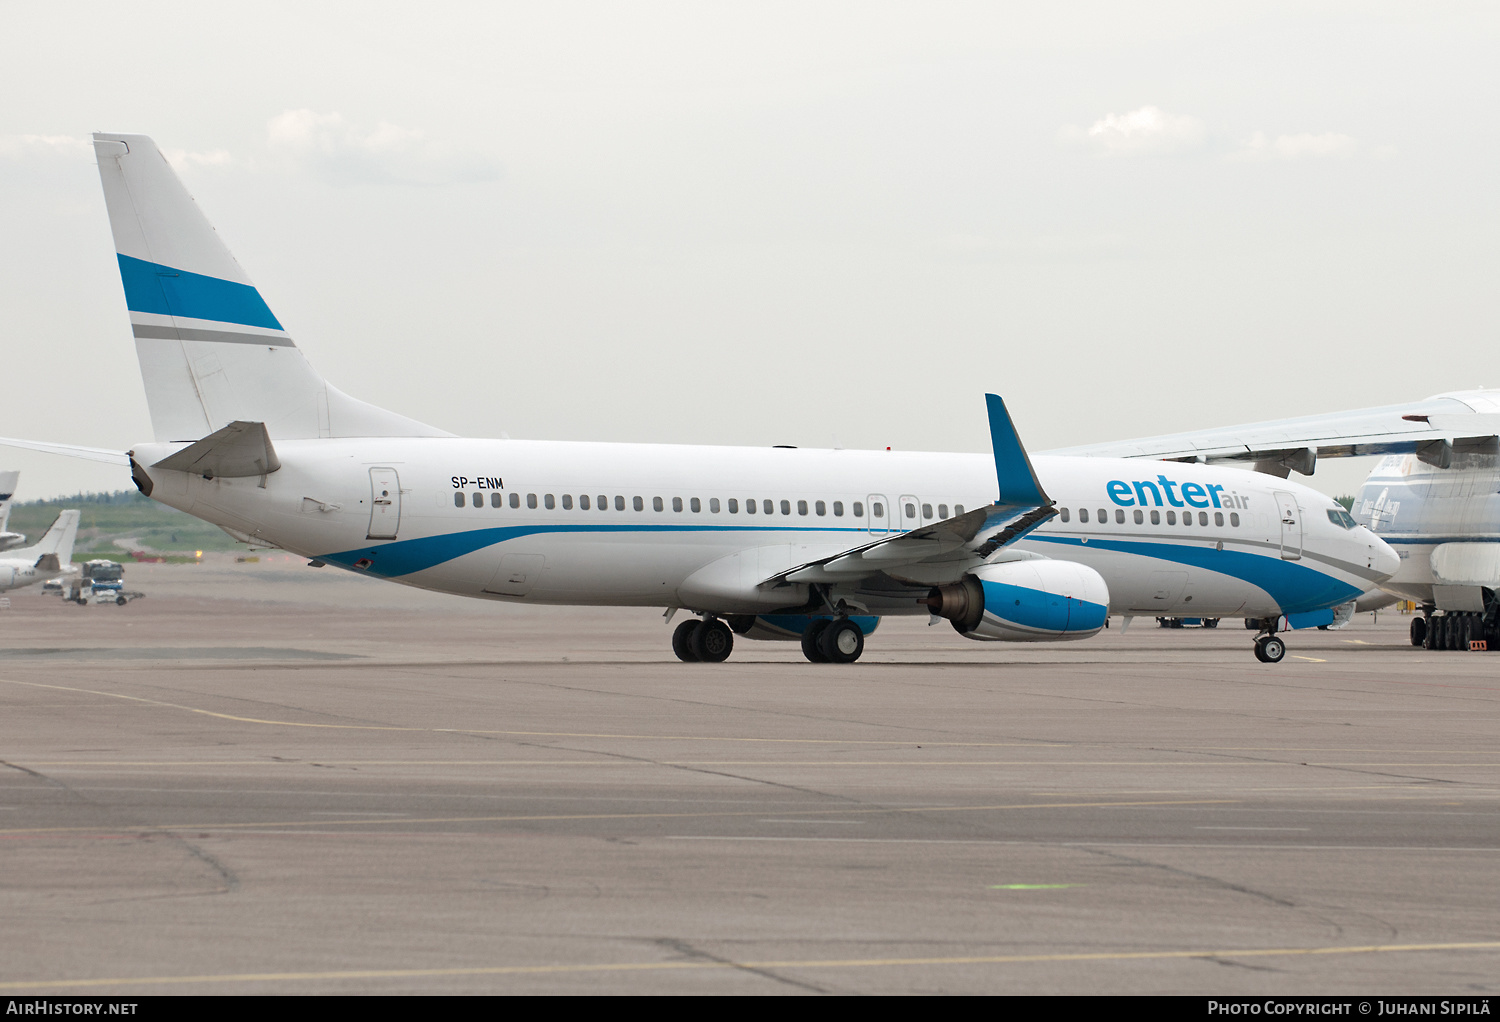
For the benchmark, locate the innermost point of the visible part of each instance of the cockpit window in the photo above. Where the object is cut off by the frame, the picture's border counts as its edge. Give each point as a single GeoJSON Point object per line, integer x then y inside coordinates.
{"type": "Point", "coordinates": [1341, 518]}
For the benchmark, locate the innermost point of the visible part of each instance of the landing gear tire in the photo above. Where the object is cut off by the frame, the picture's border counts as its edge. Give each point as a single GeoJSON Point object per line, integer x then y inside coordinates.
{"type": "Point", "coordinates": [1430, 635]}
{"type": "Point", "coordinates": [842, 642]}
{"type": "Point", "coordinates": [682, 641]}
{"type": "Point", "coordinates": [1269, 649]}
{"type": "Point", "coordinates": [1418, 631]}
{"type": "Point", "coordinates": [810, 640]}
{"type": "Point", "coordinates": [712, 641]}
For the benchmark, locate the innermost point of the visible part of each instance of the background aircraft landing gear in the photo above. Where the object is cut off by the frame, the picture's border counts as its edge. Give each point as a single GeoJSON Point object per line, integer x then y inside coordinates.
{"type": "Point", "coordinates": [1418, 631]}
{"type": "Point", "coordinates": [1269, 649]}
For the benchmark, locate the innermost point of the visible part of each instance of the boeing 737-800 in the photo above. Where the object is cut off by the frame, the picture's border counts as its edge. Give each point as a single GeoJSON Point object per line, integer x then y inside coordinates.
{"type": "Point", "coordinates": [785, 543]}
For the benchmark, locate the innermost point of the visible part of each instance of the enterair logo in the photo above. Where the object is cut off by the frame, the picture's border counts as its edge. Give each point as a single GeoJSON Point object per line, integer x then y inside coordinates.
{"type": "Point", "coordinates": [1147, 493]}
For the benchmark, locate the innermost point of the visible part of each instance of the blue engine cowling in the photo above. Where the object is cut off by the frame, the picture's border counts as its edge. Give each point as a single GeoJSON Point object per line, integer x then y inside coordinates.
{"type": "Point", "coordinates": [789, 627]}
{"type": "Point", "coordinates": [1025, 601]}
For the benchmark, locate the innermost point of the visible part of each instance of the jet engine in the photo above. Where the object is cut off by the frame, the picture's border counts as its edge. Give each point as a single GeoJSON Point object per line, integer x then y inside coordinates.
{"type": "Point", "coordinates": [1025, 601]}
{"type": "Point", "coordinates": [7, 577]}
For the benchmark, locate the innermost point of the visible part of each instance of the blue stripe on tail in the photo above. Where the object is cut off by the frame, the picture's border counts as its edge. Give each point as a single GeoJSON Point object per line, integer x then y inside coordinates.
{"type": "Point", "coordinates": [165, 291]}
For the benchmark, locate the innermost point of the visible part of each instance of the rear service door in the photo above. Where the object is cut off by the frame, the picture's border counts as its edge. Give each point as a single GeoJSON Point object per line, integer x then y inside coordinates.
{"type": "Point", "coordinates": [877, 513]}
{"type": "Point", "coordinates": [385, 503]}
{"type": "Point", "coordinates": [1291, 526]}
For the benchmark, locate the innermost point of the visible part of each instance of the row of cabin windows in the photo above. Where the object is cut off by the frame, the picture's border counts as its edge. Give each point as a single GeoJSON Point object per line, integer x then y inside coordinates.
{"type": "Point", "coordinates": [1140, 517]}
{"type": "Point", "coordinates": [695, 505]}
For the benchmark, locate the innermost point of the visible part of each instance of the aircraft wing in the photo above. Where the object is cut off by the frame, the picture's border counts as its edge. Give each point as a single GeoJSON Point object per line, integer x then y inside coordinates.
{"type": "Point", "coordinates": [71, 451]}
{"type": "Point", "coordinates": [973, 535]}
{"type": "Point", "coordinates": [1432, 429]}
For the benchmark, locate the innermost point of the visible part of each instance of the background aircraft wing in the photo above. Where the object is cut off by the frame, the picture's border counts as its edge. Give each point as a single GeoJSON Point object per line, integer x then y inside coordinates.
{"type": "Point", "coordinates": [71, 451]}
{"type": "Point", "coordinates": [969, 537]}
{"type": "Point", "coordinates": [1432, 429]}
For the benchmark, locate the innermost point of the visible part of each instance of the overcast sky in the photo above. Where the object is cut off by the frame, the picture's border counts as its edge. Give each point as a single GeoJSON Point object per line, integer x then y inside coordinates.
{"type": "Point", "coordinates": [773, 223]}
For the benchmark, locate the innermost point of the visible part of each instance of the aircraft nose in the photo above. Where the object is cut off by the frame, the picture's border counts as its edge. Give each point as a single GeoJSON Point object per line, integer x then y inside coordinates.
{"type": "Point", "coordinates": [1384, 560]}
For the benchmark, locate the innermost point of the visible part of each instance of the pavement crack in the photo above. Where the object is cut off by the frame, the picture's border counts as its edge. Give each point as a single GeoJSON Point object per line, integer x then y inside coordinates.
{"type": "Point", "coordinates": [692, 953]}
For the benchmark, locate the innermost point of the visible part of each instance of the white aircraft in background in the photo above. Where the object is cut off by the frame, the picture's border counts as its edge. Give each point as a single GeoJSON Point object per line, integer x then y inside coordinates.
{"type": "Point", "coordinates": [813, 545]}
{"type": "Point", "coordinates": [8, 482]}
{"type": "Point", "coordinates": [51, 557]}
{"type": "Point", "coordinates": [1435, 497]}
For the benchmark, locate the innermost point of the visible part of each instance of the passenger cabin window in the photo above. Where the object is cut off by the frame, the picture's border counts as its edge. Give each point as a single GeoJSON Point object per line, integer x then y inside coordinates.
{"type": "Point", "coordinates": [786, 507]}
{"type": "Point", "coordinates": [567, 502]}
{"type": "Point", "coordinates": [458, 499]}
{"type": "Point", "coordinates": [877, 509]}
{"type": "Point", "coordinates": [802, 507]}
{"type": "Point", "coordinates": [1219, 519]}
{"type": "Point", "coordinates": [859, 509]}
{"type": "Point", "coordinates": [750, 506]}
{"type": "Point", "coordinates": [942, 510]}
{"type": "Point", "coordinates": [496, 499]}
{"type": "Point", "coordinates": [838, 509]}
{"type": "Point", "coordinates": [1234, 519]}
{"type": "Point", "coordinates": [1119, 517]}
{"type": "Point", "coordinates": [734, 506]}
{"type": "Point", "coordinates": [911, 511]}
{"type": "Point", "coordinates": [713, 505]}
{"type": "Point", "coordinates": [550, 502]}
{"type": "Point", "coordinates": [696, 506]}
{"type": "Point", "coordinates": [515, 500]}
{"type": "Point", "coordinates": [638, 503]}
{"type": "Point", "coordinates": [1156, 518]}
{"type": "Point", "coordinates": [958, 509]}
{"type": "Point", "coordinates": [821, 508]}
{"type": "Point", "coordinates": [1083, 514]}
{"type": "Point", "coordinates": [677, 504]}
{"type": "Point", "coordinates": [1171, 517]}
{"type": "Point", "coordinates": [619, 503]}
{"type": "Point", "coordinates": [1103, 516]}
{"type": "Point", "coordinates": [583, 502]}
{"type": "Point", "coordinates": [531, 500]}
{"type": "Point", "coordinates": [657, 505]}
{"type": "Point", "coordinates": [1062, 513]}
{"type": "Point", "coordinates": [1139, 517]}
{"type": "Point", "coordinates": [926, 510]}
{"type": "Point", "coordinates": [479, 500]}
{"type": "Point", "coordinates": [768, 507]}
{"type": "Point", "coordinates": [1202, 517]}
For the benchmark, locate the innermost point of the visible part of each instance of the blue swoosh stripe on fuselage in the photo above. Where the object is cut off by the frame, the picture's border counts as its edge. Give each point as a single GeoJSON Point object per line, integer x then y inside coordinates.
{"type": "Point", "coordinates": [1294, 586]}
{"type": "Point", "coordinates": [168, 291]}
{"type": "Point", "coordinates": [405, 556]}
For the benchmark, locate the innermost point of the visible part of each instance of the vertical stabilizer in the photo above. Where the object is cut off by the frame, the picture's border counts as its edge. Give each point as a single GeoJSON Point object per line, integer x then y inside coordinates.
{"type": "Point", "coordinates": [211, 351]}
{"type": "Point", "coordinates": [8, 481]}
{"type": "Point", "coordinates": [56, 543]}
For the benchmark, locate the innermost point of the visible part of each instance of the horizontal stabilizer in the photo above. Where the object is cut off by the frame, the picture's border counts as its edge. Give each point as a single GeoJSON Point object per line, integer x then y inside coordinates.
{"type": "Point", "coordinates": [239, 449]}
{"type": "Point", "coordinates": [48, 563]}
{"type": "Point", "coordinates": [71, 451]}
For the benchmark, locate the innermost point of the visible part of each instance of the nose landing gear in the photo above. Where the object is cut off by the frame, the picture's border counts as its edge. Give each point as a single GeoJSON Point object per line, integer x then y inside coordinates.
{"type": "Point", "coordinates": [1269, 649]}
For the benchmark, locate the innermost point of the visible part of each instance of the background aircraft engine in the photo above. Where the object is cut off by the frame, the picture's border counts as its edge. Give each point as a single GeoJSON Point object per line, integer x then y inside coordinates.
{"type": "Point", "coordinates": [7, 576]}
{"type": "Point", "coordinates": [1025, 601]}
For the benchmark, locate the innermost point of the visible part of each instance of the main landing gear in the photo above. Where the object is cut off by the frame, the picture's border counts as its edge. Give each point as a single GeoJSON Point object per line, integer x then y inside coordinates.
{"type": "Point", "coordinates": [1456, 629]}
{"type": "Point", "coordinates": [707, 641]}
{"type": "Point", "coordinates": [836, 641]}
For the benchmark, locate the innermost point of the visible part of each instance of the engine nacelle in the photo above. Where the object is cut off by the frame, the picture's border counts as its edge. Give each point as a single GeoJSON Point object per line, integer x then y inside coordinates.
{"type": "Point", "coordinates": [1025, 601]}
{"type": "Point", "coordinates": [7, 577]}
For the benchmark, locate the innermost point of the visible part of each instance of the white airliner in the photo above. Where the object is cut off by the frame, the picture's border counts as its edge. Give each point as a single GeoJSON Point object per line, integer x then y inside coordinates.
{"type": "Point", "coordinates": [813, 545]}
{"type": "Point", "coordinates": [51, 557]}
{"type": "Point", "coordinates": [1434, 497]}
{"type": "Point", "coordinates": [8, 539]}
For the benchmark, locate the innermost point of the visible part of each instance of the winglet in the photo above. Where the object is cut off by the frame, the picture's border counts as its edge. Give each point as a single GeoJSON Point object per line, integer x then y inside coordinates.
{"type": "Point", "coordinates": [1018, 483]}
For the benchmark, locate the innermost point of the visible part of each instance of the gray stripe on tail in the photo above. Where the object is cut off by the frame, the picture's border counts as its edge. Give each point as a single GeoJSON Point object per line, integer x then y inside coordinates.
{"type": "Point", "coordinates": [173, 333]}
